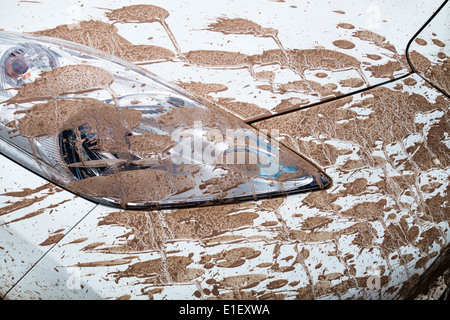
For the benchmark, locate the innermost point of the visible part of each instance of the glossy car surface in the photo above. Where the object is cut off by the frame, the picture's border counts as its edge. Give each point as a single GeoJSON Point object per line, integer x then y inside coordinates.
{"type": "Point", "coordinates": [359, 88]}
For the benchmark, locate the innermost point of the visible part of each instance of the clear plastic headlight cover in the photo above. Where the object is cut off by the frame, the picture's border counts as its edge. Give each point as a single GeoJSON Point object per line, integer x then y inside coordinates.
{"type": "Point", "coordinates": [114, 133]}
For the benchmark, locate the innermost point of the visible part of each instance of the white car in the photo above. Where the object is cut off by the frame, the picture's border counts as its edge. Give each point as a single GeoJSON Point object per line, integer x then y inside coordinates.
{"type": "Point", "coordinates": [224, 150]}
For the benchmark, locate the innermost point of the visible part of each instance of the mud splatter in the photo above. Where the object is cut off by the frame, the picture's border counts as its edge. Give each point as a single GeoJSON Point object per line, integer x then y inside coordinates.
{"type": "Point", "coordinates": [202, 89]}
{"type": "Point", "coordinates": [37, 212]}
{"type": "Point", "coordinates": [27, 216]}
{"type": "Point", "coordinates": [52, 240]}
{"type": "Point", "coordinates": [438, 43]}
{"type": "Point", "coordinates": [80, 240]}
{"type": "Point", "coordinates": [144, 14]}
{"type": "Point", "coordinates": [410, 104]}
{"type": "Point", "coordinates": [333, 124]}
{"type": "Point", "coordinates": [374, 57]}
{"type": "Point", "coordinates": [437, 73]}
{"type": "Point", "coordinates": [143, 54]}
{"type": "Point", "coordinates": [244, 26]}
{"type": "Point", "coordinates": [23, 203]}
{"type": "Point", "coordinates": [441, 55]}
{"type": "Point", "coordinates": [314, 223]}
{"type": "Point", "coordinates": [313, 133]}
{"type": "Point", "coordinates": [243, 109]}
{"type": "Point", "coordinates": [232, 258]}
{"type": "Point", "coordinates": [304, 86]}
{"type": "Point", "coordinates": [104, 263]}
{"type": "Point", "coordinates": [40, 120]}
{"type": "Point", "coordinates": [375, 39]}
{"type": "Point", "coordinates": [242, 281]}
{"type": "Point", "coordinates": [173, 269]}
{"type": "Point", "coordinates": [335, 113]}
{"type": "Point", "coordinates": [205, 224]}
{"type": "Point", "coordinates": [346, 26]}
{"type": "Point", "coordinates": [419, 61]}
{"type": "Point", "coordinates": [351, 82]}
{"type": "Point", "coordinates": [218, 59]}
{"type": "Point", "coordinates": [386, 70]}
{"type": "Point", "coordinates": [92, 246]}
{"type": "Point", "coordinates": [138, 14]}
{"type": "Point", "coordinates": [310, 59]}
{"type": "Point", "coordinates": [410, 82]}
{"type": "Point", "coordinates": [64, 80]}
{"type": "Point", "coordinates": [231, 180]}
{"type": "Point", "coordinates": [289, 104]}
{"type": "Point", "coordinates": [420, 41]}
{"type": "Point", "coordinates": [129, 186]}
{"type": "Point", "coordinates": [344, 44]}
{"type": "Point", "coordinates": [105, 37]}
{"type": "Point", "coordinates": [29, 191]}
{"type": "Point", "coordinates": [212, 117]}
{"type": "Point", "coordinates": [275, 284]}
{"type": "Point", "coordinates": [241, 26]}
{"type": "Point", "coordinates": [321, 75]}
{"type": "Point", "coordinates": [150, 143]}
{"type": "Point", "coordinates": [297, 60]}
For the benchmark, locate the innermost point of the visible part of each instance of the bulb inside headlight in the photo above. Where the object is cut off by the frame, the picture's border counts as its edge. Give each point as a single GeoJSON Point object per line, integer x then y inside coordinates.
{"type": "Point", "coordinates": [114, 133]}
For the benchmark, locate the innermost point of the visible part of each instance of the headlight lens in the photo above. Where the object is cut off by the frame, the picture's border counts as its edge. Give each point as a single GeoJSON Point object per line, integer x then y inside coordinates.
{"type": "Point", "coordinates": [117, 134]}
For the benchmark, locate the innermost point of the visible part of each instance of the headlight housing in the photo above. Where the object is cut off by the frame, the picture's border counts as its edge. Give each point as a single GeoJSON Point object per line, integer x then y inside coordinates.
{"type": "Point", "coordinates": [116, 134]}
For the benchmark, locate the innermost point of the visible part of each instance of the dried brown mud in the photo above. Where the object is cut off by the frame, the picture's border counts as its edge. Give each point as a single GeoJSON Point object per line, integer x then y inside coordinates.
{"type": "Point", "coordinates": [26, 201]}
{"type": "Point", "coordinates": [132, 186]}
{"type": "Point", "coordinates": [202, 89]}
{"type": "Point", "coordinates": [386, 70]}
{"type": "Point", "coordinates": [351, 82]}
{"type": "Point", "coordinates": [52, 240]}
{"type": "Point", "coordinates": [438, 73]}
{"type": "Point", "coordinates": [150, 143]}
{"type": "Point", "coordinates": [289, 104]}
{"type": "Point", "coordinates": [300, 60]}
{"type": "Point", "coordinates": [323, 91]}
{"type": "Point", "coordinates": [420, 41]}
{"type": "Point", "coordinates": [20, 205]}
{"type": "Point", "coordinates": [244, 26]}
{"type": "Point", "coordinates": [173, 269]}
{"type": "Point", "coordinates": [346, 26]}
{"type": "Point", "coordinates": [375, 39]}
{"type": "Point", "coordinates": [218, 59]}
{"type": "Point", "coordinates": [379, 220]}
{"type": "Point", "coordinates": [438, 43]}
{"type": "Point", "coordinates": [391, 120]}
{"type": "Point", "coordinates": [40, 120]}
{"type": "Point", "coordinates": [213, 117]}
{"type": "Point", "coordinates": [152, 230]}
{"type": "Point", "coordinates": [144, 13]}
{"type": "Point", "coordinates": [28, 191]}
{"type": "Point", "coordinates": [377, 127]}
{"type": "Point", "coordinates": [244, 109]}
{"type": "Point", "coordinates": [297, 60]}
{"type": "Point", "coordinates": [105, 37]}
{"type": "Point", "coordinates": [37, 212]}
{"type": "Point", "coordinates": [138, 14]}
{"type": "Point", "coordinates": [241, 26]}
{"type": "Point", "coordinates": [64, 80]}
{"type": "Point", "coordinates": [344, 44]}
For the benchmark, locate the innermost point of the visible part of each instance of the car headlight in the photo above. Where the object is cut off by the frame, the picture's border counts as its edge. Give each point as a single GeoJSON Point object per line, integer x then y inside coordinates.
{"type": "Point", "coordinates": [116, 134]}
